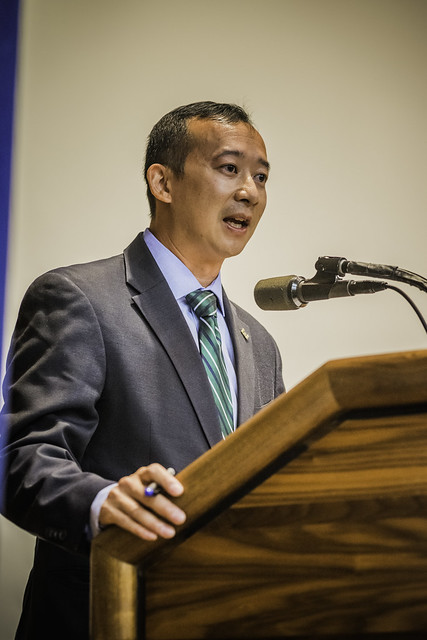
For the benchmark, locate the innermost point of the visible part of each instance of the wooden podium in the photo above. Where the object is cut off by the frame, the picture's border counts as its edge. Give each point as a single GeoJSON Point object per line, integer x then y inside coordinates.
{"type": "Point", "coordinates": [310, 521]}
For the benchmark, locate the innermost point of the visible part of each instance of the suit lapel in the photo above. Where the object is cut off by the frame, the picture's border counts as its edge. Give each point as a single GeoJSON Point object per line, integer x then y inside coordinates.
{"type": "Point", "coordinates": [244, 361]}
{"type": "Point", "coordinates": [157, 304]}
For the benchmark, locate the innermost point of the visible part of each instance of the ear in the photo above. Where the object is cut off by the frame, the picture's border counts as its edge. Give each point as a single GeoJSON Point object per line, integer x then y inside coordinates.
{"type": "Point", "coordinates": [158, 180]}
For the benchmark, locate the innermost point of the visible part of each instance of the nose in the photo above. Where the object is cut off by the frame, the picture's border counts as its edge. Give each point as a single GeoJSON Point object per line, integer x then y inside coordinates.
{"type": "Point", "coordinates": [247, 191]}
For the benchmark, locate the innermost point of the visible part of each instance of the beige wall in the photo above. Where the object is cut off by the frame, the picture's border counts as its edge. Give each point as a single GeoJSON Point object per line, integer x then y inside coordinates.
{"type": "Point", "coordinates": [337, 88]}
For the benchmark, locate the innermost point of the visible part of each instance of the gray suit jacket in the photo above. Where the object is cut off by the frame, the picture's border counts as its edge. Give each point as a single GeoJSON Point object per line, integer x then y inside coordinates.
{"type": "Point", "coordinates": [105, 377]}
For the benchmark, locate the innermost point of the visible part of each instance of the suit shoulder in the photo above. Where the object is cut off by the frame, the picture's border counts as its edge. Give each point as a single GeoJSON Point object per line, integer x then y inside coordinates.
{"type": "Point", "coordinates": [92, 271]}
{"type": "Point", "coordinates": [83, 275]}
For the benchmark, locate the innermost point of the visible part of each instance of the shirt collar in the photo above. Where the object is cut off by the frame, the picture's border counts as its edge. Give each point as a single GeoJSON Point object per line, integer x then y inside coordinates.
{"type": "Point", "coordinates": [179, 278]}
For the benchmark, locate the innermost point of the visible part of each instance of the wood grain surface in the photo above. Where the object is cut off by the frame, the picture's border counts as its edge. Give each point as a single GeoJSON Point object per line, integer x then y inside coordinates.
{"type": "Point", "coordinates": [335, 542]}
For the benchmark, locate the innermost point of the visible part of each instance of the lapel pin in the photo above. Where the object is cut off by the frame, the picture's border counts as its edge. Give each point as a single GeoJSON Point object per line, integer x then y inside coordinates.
{"type": "Point", "coordinates": [244, 334]}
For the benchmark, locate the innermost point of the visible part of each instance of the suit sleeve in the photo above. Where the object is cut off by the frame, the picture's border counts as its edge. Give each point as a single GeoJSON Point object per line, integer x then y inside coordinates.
{"type": "Point", "coordinates": [55, 376]}
{"type": "Point", "coordinates": [279, 385]}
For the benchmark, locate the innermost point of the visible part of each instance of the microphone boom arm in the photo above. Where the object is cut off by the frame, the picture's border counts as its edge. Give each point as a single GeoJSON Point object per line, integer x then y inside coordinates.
{"type": "Point", "coordinates": [330, 266]}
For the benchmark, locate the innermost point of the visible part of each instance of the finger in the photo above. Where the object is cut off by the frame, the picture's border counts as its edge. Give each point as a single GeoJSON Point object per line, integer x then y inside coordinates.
{"type": "Point", "coordinates": [165, 508]}
{"type": "Point", "coordinates": [124, 521]}
{"type": "Point", "coordinates": [128, 497]}
{"type": "Point", "coordinates": [162, 477]}
{"type": "Point", "coordinates": [125, 512]}
{"type": "Point", "coordinates": [132, 487]}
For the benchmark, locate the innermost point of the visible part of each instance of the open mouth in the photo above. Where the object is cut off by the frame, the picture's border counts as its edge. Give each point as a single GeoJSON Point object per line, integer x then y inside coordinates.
{"type": "Point", "coordinates": [237, 222]}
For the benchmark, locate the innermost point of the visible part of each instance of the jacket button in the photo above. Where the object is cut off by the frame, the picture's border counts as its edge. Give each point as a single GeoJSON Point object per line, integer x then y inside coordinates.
{"type": "Point", "coordinates": [56, 534]}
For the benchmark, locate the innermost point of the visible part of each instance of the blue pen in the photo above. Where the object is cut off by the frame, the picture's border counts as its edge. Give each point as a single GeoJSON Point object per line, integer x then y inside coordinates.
{"type": "Point", "coordinates": [153, 488]}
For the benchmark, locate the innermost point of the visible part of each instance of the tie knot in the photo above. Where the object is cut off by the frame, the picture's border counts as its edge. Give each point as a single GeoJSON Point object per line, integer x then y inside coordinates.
{"type": "Point", "coordinates": [203, 303]}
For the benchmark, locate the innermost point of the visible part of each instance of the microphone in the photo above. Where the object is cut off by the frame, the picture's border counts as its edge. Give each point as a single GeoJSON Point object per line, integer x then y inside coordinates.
{"type": "Point", "coordinates": [287, 293]}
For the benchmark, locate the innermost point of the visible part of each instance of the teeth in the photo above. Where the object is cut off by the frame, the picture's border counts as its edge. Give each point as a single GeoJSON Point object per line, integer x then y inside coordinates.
{"type": "Point", "coordinates": [236, 223]}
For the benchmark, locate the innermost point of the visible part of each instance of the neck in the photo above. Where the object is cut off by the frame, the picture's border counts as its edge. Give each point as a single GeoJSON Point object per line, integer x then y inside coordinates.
{"type": "Point", "coordinates": [204, 278]}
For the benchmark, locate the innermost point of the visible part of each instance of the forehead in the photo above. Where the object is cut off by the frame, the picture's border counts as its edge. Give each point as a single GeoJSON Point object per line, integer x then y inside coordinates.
{"type": "Point", "coordinates": [214, 138]}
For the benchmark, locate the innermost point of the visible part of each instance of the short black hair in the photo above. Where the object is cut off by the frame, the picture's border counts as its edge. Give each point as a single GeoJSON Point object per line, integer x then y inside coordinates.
{"type": "Point", "coordinates": [169, 142]}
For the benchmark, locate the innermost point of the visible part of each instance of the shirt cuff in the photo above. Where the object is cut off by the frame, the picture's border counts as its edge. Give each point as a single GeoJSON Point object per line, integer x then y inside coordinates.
{"type": "Point", "coordinates": [95, 509]}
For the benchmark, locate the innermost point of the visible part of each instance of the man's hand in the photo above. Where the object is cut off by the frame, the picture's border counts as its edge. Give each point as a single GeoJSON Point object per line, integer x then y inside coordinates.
{"type": "Point", "coordinates": [128, 507]}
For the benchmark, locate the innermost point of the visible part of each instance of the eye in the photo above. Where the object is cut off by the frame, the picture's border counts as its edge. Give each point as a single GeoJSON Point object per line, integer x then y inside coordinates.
{"type": "Point", "coordinates": [261, 177]}
{"type": "Point", "coordinates": [229, 168]}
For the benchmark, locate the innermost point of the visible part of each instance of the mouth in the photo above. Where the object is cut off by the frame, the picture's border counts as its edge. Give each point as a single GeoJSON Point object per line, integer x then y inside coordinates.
{"type": "Point", "coordinates": [237, 222]}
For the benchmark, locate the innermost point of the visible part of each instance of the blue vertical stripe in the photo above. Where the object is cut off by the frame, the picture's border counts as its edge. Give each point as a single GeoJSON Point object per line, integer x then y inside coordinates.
{"type": "Point", "coordinates": [9, 11]}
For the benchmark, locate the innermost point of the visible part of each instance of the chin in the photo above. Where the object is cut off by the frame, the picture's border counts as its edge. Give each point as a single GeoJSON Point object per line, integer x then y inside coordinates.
{"type": "Point", "coordinates": [237, 247]}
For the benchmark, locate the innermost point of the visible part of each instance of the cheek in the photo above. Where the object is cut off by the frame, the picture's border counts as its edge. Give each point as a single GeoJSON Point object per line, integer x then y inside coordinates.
{"type": "Point", "coordinates": [203, 199]}
{"type": "Point", "coordinates": [260, 209]}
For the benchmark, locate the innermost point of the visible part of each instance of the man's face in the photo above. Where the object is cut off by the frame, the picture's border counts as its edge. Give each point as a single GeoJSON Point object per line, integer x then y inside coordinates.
{"type": "Point", "coordinates": [218, 202]}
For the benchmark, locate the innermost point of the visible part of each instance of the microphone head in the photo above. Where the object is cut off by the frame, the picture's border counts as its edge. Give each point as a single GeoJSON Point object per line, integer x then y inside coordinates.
{"type": "Point", "coordinates": [278, 294]}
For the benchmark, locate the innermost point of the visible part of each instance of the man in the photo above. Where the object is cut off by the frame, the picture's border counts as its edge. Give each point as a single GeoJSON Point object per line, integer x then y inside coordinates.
{"type": "Point", "coordinates": [107, 386]}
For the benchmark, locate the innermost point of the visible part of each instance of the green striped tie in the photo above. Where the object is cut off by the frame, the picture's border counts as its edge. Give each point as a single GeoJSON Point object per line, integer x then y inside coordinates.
{"type": "Point", "coordinates": [204, 305]}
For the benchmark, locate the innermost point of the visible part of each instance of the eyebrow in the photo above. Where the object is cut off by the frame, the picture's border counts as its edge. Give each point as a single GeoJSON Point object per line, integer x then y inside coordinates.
{"type": "Point", "coordinates": [239, 154]}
